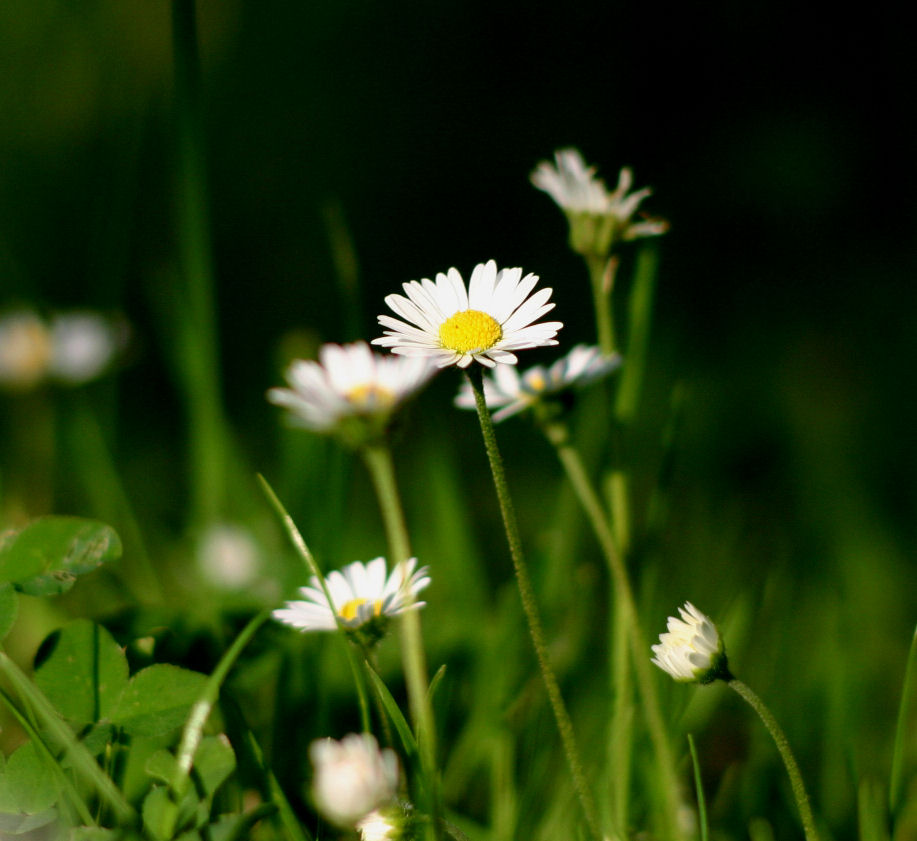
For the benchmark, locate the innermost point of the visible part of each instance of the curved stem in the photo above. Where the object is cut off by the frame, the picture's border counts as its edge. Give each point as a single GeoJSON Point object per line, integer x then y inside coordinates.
{"type": "Point", "coordinates": [378, 460]}
{"type": "Point", "coordinates": [569, 457]}
{"type": "Point", "coordinates": [601, 276]}
{"type": "Point", "coordinates": [529, 605]}
{"type": "Point", "coordinates": [799, 789]}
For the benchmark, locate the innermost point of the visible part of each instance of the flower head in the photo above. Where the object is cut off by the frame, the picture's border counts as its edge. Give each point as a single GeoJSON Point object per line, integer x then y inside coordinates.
{"type": "Point", "coordinates": [363, 598]}
{"type": "Point", "coordinates": [456, 326]}
{"type": "Point", "coordinates": [598, 217]}
{"type": "Point", "coordinates": [352, 777]}
{"type": "Point", "coordinates": [691, 650]}
{"type": "Point", "coordinates": [382, 825]}
{"type": "Point", "coordinates": [350, 390]}
{"type": "Point", "coordinates": [25, 350]}
{"type": "Point", "coordinates": [509, 392]}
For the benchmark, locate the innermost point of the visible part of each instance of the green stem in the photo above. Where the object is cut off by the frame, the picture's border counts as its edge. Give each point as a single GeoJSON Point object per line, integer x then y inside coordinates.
{"type": "Point", "coordinates": [558, 435]}
{"type": "Point", "coordinates": [59, 731]}
{"type": "Point", "coordinates": [529, 605]}
{"type": "Point", "coordinates": [799, 789]}
{"type": "Point", "coordinates": [601, 275]}
{"type": "Point", "coordinates": [378, 460]}
{"type": "Point", "coordinates": [200, 357]}
{"type": "Point", "coordinates": [309, 560]}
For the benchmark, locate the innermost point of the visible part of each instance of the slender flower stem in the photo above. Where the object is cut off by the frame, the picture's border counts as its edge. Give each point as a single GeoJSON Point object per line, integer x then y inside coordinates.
{"type": "Point", "coordinates": [558, 434]}
{"type": "Point", "coordinates": [799, 789]}
{"type": "Point", "coordinates": [601, 276]}
{"type": "Point", "coordinates": [527, 594]}
{"type": "Point", "coordinates": [378, 460]}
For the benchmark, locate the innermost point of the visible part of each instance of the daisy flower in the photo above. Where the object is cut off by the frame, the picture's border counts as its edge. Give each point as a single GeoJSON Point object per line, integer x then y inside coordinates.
{"type": "Point", "coordinates": [598, 217]}
{"type": "Point", "coordinates": [456, 326]}
{"type": "Point", "coordinates": [510, 393]}
{"type": "Point", "coordinates": [362, 596]}
{"type": "Point", "coordinates": [25, 350]}
{"type": "Point", "coordinates": [352, 777]}
{"type": "Point", "coordinates": [349, 382]}
{"type": "Point", "coordinates": [84, 344]}
{"type": "Point", "coordinates": [691, 650]}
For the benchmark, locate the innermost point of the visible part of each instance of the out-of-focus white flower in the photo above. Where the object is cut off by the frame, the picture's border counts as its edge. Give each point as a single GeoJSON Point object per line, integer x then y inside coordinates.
{"type": "Point", "coordinates": [352, 777]}
{"type": "Point", "coordinates": [349, 383]}
{"type": "Point", "coordinates": [509, 392]}
{"type": "Point", "coordinates": [598, 217]}
{"type": "Point", "coordinates": [691, 650]}
{"type": "Point", "coordinates": [361, 594]}
{"type": "Point", "coordinates": [25, 350]}
{"type": "Point", "coordinates": [75, 348]}
{"type": "Point", "coordinates": [228, 556]}
{"type": "Point", "coordinates": [456, 326]}
{"type": "Point", "coordinates": [380, 825]}
{"type": "Point", "coordinates": [84, 345]}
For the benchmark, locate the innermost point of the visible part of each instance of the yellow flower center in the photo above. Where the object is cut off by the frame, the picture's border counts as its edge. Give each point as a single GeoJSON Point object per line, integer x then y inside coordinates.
{"type": "Point", "coordinates": [470, 331]}
{"type": "Point", "coordinates": [349, 610]}
{"type": "Point", "coordinates": [537, 383]}
{"type": "Point", "coordinates": [370, 396]}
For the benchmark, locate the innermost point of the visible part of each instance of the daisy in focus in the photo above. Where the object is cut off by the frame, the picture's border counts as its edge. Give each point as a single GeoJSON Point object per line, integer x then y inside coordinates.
{"type": "Point", "coordinates": [353, 778]}
{"type": "Point", "coordinates": [350, 390]}
{"type": "Point", "coordinates": [510, 393]}
{"type": "Point", "coordinates": [364, 598]}
{"type": "Point", "coordinates": [598, 217]}
{"type": "Point", "coordinates": [486, 322]}
{"type": "Point", "coordinates": [691, 650]}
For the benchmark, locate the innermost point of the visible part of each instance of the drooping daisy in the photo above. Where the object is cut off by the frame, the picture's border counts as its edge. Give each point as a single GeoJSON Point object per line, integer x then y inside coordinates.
{"type": "Point", "coordinates": [456, 326]}
{"type": "Point", "coordinates": [349, 382]}
{"type": "Point", "coordinates": [363, 597]}
{"type": "Point", "coordinates": [510, 393]}
{"type": "Point", "coordinates": [352, 777]}
{"type": "Point", "coordinates": [598, 217]}
{"type": "Point", "coordinates": [691, 650]}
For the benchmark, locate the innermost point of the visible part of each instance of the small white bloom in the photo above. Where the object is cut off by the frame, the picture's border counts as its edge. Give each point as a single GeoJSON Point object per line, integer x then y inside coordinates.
{"type": "Point", "coordinates": [25, 350]}
{"type": "Point", "coordinates": [228, 556]}
{"type": "Point", "coordinates": [360, 593]}
{"type": "Point", "coordinates": [348, 381]}
{"type": "Point", "coordinates": [584, 197]}
{"type": "Point", "coordinates": [378, 825]}
{"type": "Point", "coordinates": [485, 322]}
{"type": "Point", "coordinates": [691, 650]}
{"type": "Point", "coordinates": [352, 777]}
{"type": "Point", "coordinates": [84, 345]}
{"type": "Point", "coordinates": [509, 392]}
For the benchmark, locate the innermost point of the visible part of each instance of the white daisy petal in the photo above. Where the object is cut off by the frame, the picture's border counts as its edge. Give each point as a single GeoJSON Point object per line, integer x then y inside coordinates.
{"type": "Point", "coordinates": [691, 649]}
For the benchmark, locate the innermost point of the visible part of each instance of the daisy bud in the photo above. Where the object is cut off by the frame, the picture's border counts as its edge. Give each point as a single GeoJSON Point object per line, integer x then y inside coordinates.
{"type": "Point", "coordinates": [691, 651]}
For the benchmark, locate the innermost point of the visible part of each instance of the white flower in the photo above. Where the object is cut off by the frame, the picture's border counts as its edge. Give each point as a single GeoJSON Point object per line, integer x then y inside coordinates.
{"type": "Point", "coordinates": [691, 650]}
{"type": "Point", "coordinates": [379, 825]}
{"type": "Point", "coordinates": [83, 344]}
{"type": "Point", "coordinates": [228, 556]}
{"type": "Point", "coordinates": [349, 381]}
{"type": "Point", "coordinates": [455, 326]}
{"type": "Point", "coordinates": [352, 777]}
{"type": "Point", "coordinates": [509, 392]}
{"type": "Point", "coordinates": [580, 193]}
{"type": "Point", "coordinates": [360, 593]}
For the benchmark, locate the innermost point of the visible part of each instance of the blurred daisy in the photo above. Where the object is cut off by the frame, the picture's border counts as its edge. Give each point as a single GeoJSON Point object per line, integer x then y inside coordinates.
{"type": "Point", "coordinates": [352, 778]}
{"type": "Point", "coordinates": [25, 350]}
{"type": "Point", "coordinates": [510, 393]}
{"type": "Point", "coordinates": [455, 326]}
{"type": "Point", "coordinates": [349, 382]}
{"type": "Point", "coordinates": [362, 596]}
{"type": "Point", "coordinates": [691, 650]}
{"type": "Point", "coordinates": [83, 345]}
{"type": "Point", "coordinates": [598, 217]}
{"type": "Point", "coordinates": [381, 825]}
{"type": "Point", "coordinates": [228, 556]}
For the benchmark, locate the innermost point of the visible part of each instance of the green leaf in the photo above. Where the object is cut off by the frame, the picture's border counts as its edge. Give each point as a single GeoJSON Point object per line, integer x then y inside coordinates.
{"type": "Point", "coordinates": [11, 825]}
{"type": "Point", "coordinates": [394, 713]}
{"type": "Point", "coordinates": [85, 672]}
{"type": "Point", "coordinates": [9, 608]}
{"type": "Point", "coordinates": [45, 557]}
{"type": "Point", "coordinates": [157, 699]}
{"type": "Point", "coordinates": [214, 761]}
{"type": "Point", "coordinates": [25, 784]}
